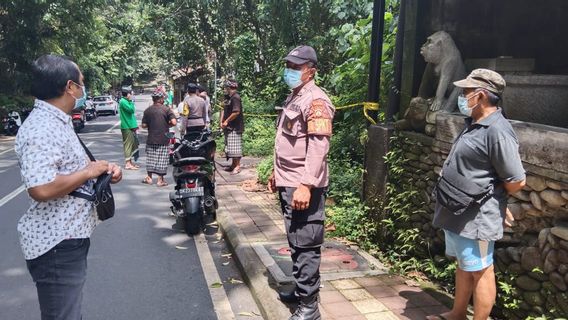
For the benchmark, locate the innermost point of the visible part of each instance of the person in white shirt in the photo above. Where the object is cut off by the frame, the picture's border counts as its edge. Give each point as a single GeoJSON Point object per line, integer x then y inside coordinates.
{"type": "Point", "coordinates": [53, 163]}
{"type": "Point", "coordinates": [203, 94]}
{"type": "Point", "coordinates": [182, 119]}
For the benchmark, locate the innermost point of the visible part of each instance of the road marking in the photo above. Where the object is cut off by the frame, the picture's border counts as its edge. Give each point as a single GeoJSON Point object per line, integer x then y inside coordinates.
{"type": "Point", "coordinates": [114, 126]}
{"type": "Point", "coordinates": [218, 295]}
{"type": "Point", "coordinates": [12, 195]}
{"type": "Point", "coordinates": [21, 188]}
{"type": "Point", "coordinates": [8, 150]}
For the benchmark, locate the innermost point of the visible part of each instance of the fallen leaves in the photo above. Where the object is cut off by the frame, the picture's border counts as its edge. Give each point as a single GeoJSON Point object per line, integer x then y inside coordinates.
{"type": "Point", "coordinates": [248, 314]}
{"type": "Point", "coordinates": [234, 281]}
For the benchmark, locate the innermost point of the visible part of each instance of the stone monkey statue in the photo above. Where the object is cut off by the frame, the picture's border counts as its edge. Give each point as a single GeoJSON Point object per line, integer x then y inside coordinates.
{"type": "Point", "coordinates": [445, 66]}
{"type": "Point", "coordinates": [437, 92]}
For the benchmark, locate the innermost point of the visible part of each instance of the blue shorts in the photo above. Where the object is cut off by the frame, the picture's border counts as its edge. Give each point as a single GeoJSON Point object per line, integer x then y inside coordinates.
{"type": "Point", "coordinates": [472, 255]}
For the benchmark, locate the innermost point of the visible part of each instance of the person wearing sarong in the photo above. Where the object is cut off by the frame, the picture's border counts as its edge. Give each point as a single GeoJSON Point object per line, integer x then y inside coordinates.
{"type": "Point", "coordinates": [157, 119]}
{"type": "Point", "coordinates": [233, 125]}
{"type": "Point", "coordinates": [129, 127]}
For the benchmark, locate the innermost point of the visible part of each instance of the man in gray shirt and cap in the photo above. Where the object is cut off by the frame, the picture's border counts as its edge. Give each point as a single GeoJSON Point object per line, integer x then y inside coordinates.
{"type": "Point", "coordinates": [483, 167]}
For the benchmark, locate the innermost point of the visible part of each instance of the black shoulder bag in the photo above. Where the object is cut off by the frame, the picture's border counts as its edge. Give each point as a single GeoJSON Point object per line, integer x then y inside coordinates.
{"type": "Point", "coordinates": [455, 199]}
{"type": "Point", "coordinates": [102, 196]}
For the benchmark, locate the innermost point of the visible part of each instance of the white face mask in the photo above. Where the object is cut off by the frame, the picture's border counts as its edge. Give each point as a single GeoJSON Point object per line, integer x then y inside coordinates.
{"type": "Point", "coordinates": [463, 105]}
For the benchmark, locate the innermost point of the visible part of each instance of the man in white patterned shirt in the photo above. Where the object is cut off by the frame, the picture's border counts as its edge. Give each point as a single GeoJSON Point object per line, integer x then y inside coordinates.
{"type": "Point", "coordinates": [57, 227]}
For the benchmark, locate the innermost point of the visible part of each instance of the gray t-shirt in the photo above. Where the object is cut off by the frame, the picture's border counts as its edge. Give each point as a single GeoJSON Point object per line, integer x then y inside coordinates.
{"type": "Point", "coordinates": [485, 153]}
{"type": "Point", "coordinates": [197, 112]}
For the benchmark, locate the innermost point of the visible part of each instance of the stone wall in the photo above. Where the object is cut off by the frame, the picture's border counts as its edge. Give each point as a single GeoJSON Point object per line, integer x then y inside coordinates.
{"type": "Point", "coordinates": [534, 252]}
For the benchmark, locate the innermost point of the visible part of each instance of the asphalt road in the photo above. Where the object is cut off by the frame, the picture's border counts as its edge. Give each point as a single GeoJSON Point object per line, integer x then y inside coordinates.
{"type": "Point", "coordinates": [138, 267]}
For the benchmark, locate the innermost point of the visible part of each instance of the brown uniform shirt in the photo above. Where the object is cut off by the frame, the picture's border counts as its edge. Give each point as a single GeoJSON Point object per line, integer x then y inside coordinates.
{"type": "Point", "coordinates": [302, 139]}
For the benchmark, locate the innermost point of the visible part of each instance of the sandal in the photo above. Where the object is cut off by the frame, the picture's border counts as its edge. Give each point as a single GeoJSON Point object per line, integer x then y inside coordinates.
{"type": "Point", "coordinates": [131, 168]}
{"type": "Point", "coordinates": [236, 171]}
{"type": "Point", "coordinates": [229, 169]}
{"type": "Point", "coordinates": [147, 180]}
{"type": "Point", "coordinates": [162, 184]}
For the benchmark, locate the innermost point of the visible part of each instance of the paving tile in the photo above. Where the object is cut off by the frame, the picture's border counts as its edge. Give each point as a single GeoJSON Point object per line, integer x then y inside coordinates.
{"type": "Point", "coordinates": [326, 286]}
{"type": "Point", "coordinates": [382, 291]}
{"type": "Point", "coordinates": [356, 294]}
{"type": "Point", "coordinates": [345, 284]}
{"type": "Point", "coordinates": [434, 309]}
{"type": "Point", "coordinates": [324, 314]}
{"type": "Point", "coordinates": [385, 315]}
{"type": "Point", "coordinates": [369, 306]}
{"type": "Point", "coordinates": [264, 222]}
{"type": "Point", "coordinates": [396, 302]}
{"type": "Point", "coordinates": [341, 309]}
{"type": "Point", "coordinates": [422, 299]}
{"type": "Point", "coordinates": [410, 313]}
{"type": "Point", "coordinates": [331, 297]}
{"type": "Point", "coordinates": [404, 288]}
{"type": "Point", "coordinates": [369, 282]}
{"type": "Point", "coordinates": [391, 280]}
{"type": "Point", "coordinates": [357, 317]}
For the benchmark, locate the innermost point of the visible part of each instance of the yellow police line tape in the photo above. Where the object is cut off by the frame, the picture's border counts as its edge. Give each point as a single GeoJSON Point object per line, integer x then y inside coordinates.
{"type": "Point", "coordinates": [367, 106]}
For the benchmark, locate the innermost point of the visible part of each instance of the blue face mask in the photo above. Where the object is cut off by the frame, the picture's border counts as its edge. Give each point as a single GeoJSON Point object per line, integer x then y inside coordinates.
{"type": "Point", "coordinates": [462, 105]}
{"type": "Point", "coordinates": [293, 78]}
{"type": "Point", "coordinates": [81, 101]}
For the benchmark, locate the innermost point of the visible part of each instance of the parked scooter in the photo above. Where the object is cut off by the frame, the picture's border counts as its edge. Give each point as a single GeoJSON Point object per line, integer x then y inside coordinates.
{"type": "Point", "coordinates": [12, 123]}
{"type": "Point", "coordinates": [193, 200]}
{"type": "Point", "coordinates": [78, 119]}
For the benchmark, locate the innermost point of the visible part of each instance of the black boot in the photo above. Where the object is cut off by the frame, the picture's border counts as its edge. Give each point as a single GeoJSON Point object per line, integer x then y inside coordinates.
{"type": "Point", "coordinates": [307, 310]}
{"type": "Point", "coordinates": [288, 296]}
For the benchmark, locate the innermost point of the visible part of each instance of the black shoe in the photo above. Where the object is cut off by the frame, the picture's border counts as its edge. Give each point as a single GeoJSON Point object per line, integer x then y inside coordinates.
{"type": "Point", "coordinates": [288, 296]}
{"type": "Point", "coordinates": [307, 310]}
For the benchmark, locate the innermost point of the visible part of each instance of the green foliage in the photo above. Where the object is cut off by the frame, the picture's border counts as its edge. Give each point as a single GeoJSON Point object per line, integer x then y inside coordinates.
{"type": "Point", "coordinates": [264, 169]}
{"type": "Point", "coordinates": [258, 138]}
{"type": "Point", "coordinates": [352, 220]}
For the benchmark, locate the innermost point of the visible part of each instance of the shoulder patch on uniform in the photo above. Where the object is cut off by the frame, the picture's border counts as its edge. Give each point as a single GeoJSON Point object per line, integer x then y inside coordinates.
{"type": "Point", "coordinates": [319, 119]}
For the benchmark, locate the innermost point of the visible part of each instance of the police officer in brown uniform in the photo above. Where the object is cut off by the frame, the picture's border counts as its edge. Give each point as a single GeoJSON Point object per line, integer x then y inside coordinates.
{"type": "Point", "coordinates": [301, 175]}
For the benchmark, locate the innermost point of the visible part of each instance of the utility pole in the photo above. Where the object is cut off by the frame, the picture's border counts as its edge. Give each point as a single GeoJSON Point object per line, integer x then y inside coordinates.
{"type": "Point", "coordinates": [376, 52]}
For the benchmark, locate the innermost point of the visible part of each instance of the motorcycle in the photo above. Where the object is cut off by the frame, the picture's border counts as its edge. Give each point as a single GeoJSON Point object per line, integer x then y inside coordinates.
{"type": "Point", "coordinates": [12, 123]}
{"type": "Point", "coordinates": [90, 112]}
{"type": "Point", "coordinates": [78, 119]}
{"type": "Point", "coordinates": [193, 200]}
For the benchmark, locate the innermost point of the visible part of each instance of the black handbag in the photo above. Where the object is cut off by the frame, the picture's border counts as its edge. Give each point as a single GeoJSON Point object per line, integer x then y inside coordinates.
{"type": "Point", "coordinates": [455, 199]}
{"type": "Point", "coordinates": [102, 195]}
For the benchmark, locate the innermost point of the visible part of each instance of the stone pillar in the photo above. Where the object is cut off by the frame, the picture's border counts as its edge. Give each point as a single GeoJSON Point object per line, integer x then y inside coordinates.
{"type": "Point", "coordinates": [375, 176]}
{"type": "Point", "coordinates": [412, 63]}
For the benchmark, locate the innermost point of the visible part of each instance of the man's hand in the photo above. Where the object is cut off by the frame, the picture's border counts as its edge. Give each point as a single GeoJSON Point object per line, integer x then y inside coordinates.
{"type": "Point", "coordinates": [509, 219]}
{"type": "Point", "coordinates": [301, 198]}
{"type": "Point", "coordinates": [96, 168]}
{"type": "Point", "coordinates": [115, 171]}
{"type": "Point", "coordinates": [272, 183]}
{"type": "Point", "coordinates": [224, 124]}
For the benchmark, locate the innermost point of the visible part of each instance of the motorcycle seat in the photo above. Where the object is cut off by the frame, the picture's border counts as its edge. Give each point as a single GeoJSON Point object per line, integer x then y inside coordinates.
{"type": "Point", "coordinates": [189, 160]}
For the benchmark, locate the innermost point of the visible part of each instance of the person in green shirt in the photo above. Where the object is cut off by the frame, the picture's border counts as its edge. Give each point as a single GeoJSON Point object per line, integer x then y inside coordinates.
{"type": "Point", "coordinates": [170, 100]}
{"type": "Point", "coordinates": [128, 127]}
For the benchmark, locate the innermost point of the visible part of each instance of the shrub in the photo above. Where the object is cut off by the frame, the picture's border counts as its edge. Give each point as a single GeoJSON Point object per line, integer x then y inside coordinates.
{"type": "Point", "coordinates": [264, 169]}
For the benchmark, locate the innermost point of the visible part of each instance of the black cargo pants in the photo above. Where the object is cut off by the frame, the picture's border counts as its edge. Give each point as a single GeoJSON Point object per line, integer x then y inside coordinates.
{"type": "Point", "coordinates": [305, 232]}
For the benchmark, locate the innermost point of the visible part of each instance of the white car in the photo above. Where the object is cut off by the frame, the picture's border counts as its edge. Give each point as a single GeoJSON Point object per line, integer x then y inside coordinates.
{"type": "Point", "coordinates": [105, 104]}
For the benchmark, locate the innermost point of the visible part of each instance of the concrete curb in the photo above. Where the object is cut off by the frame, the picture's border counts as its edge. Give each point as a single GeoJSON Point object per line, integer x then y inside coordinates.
{"type": "Point", "coordinates": [254, 271]}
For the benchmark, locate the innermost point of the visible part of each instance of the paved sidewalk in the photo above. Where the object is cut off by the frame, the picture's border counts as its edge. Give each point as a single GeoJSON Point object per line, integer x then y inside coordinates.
{"type": "Point", "coordinates": [252, 219]}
